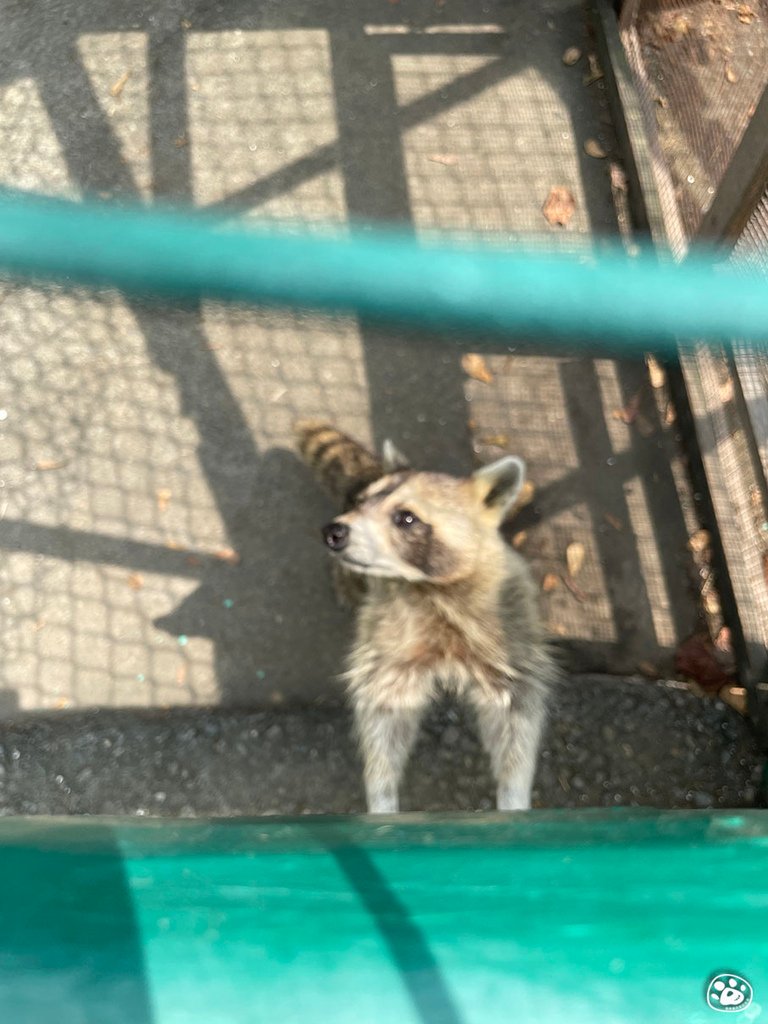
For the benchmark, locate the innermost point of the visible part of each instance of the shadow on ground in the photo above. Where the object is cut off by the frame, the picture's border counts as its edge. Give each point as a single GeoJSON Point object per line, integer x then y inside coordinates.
{"type": "Point", "coordinates": [162, 537]}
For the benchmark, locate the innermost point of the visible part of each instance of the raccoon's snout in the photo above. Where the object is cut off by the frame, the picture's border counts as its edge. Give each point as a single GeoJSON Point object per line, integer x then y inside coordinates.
{"type": "Point", "coordinates": [336, 535]}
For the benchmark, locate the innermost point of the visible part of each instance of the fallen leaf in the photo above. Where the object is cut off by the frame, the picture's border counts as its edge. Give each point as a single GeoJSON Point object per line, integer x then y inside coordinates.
{"type": "Point", "coordinates": [163, 496]}
{"type": "Point", "coordinates": [185, 23]}
{"type": "Point", "coordinates": [181, 141]}
{"type": "Point", "coordinates": [595, 72]}
{"type": "Point", "coordinates": [723, 640]}
{"type": "Point", "coordinates": [613, 521]}
{"type": "Point", "coordinates": [550, 582]}
{"type": "Point", "coordinates": [629, 413]}
{"type": "Point", "coordinates": [618, 178]}
{"type": "Point", "coordinates": [699, 541]}
{"type": "Point", "coordinates": [574, 558]}
{"type": "Point", "coordinates": [473, 364]}
{"type": "Point", "coordinates": [662, 101]}
{"type": "Point", "coordinates": [43, 465]}
{"type": "Point", "coordinates": [648, 669]}
{"type": "Point", "coordinates": [593, 148]}
{"type": "Point", "coordinates": [696, 659]}
{"type": "Point", "coordinates": [525, 497]}
{"type": "Point", "coordinates": [711, 603]}
{"type": "Point", "coordinates": [735, 697]}
{"type": "Point", "coordinates": [656, 372]}
{"type": "Point", "coordinates": [730, 75]}
{"type": "Point", "coordinates": [135, 581]}
{"type": "Point", "coordinates": [117, 88]}
{"type": "Point", "coordinates": [447, 159]}
{"type": "Point", "coordinates": [498, 440]}
{"type": "Point", "coordinates": [559, 206]}
{"type": "Point", "coordinates": [745, 14]}
{"type": "Point", "coordinates": [577, 592]}
{"type": "Point", "coordinates": [669, 415]}
{"type": "Point", "coordinates": [228, 555]}
{"type": "Point", "coordinates": [571, 56]}
{"type": "Point", "coordinates": [519, 539]}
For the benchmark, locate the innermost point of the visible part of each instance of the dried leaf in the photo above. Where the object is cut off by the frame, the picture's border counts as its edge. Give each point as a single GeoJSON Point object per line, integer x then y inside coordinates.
{"type": "Point", "coordinates": [735, 697]}
{"type": "Point", "coordinates": [163, 496]}
{"type": "Point", "coordinates": [577, 592]}
{"type": "Point", "coordinates": [571, 56]}
{"type": "Point", "coordinates": [447, 159]}
{"type": "Point", "coordinates": [497, 440]}
{"type": "Point", "coordinates": [656, 372]}
{"type": "Point", "coordinates": [670, 414]}
{"type": "Point", "coordinates": [117, 88]}
{"type": "Point", "coordinates": [618, 178]}
{"type": "Point", "coordinates": [43, 465]}
{"type": "Point", "coordinates": [559, 206]}
{"type": "Point", "coordinates": [699, 541]}
{"type": "Point", "coordinates": [550, 582]}
{"type": "Point", "coordinates": [185, 23]}
{"type": "Point", "coordinates": [730, 75]}
{"type": "Point", "coordinates": [228, 555]}
{"type": "Point", "coordinates": [723, 640]}
{"type": "Point", "coordinates": [711, 603]}
{"type": "Point", "coordinates": [525, 497]}
{"type": "Point", "coordinates": [181, 141]}
{"type": "Point", "coordinates": [595, 72]}
{"type": "Point", "coordinates": [745, 14]}
{"type": "Point", "coordinates": [574, 558]}
{"type": "Point", "coordinates": [593, 148]}
{"type": "Point", "coordinates": [473, 364]}
{"type": "Point", "coordinates": [629, 413]}
{"type": "Point", "coordinates": [613, 521]}
{"type": "Point", "coordinates": [648, 669]}
{"type": "Point", "coordinates": [696, 659]}
{"type": "Point", "coordinates": [519, 539]}
{"type": "Point", "coordinates": [135, 581]}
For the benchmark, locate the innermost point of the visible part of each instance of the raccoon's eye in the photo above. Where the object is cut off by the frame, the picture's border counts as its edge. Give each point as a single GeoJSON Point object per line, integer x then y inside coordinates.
{"type": "Point", "coordinates": [403, 519]}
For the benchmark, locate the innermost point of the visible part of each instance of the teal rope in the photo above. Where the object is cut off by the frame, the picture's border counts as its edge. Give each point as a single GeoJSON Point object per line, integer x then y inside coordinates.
{"type": "Point", "coordinates": [620, 302]}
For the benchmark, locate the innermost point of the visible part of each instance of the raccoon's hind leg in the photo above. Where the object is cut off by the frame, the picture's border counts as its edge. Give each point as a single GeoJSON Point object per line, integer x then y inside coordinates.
{"type": "Point", "coordinates": [386, 736]}
{"type": "Point", "coordinates": [511, 733]}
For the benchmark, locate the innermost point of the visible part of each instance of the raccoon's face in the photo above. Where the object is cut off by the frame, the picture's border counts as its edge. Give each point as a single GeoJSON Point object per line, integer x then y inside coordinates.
{"type": "Point", "coordinates": [425, 527]}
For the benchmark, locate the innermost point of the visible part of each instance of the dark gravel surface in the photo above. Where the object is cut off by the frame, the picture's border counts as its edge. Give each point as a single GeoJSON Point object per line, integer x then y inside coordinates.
{"type": "Point", "coordinates": [611, 742]}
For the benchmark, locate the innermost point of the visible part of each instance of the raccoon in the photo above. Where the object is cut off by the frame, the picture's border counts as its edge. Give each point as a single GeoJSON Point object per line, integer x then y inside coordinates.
{"type": "Point", "coordinates": [446, 605]}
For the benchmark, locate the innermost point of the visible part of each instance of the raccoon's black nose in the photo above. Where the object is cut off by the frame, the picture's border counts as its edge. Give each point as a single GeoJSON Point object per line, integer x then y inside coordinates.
{"type": "Point", "coordinates": [336, 536]}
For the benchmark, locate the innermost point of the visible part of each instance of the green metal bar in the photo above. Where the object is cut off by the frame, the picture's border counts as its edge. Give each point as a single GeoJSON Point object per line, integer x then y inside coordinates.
{"type": "Point", "coordinates": [624, 303]}
{"type": "Point", "coordinates": [581, 917]}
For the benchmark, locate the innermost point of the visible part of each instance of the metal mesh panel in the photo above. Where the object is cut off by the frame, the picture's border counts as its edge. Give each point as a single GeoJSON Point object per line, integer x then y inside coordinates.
{"type": "Point", "coordinates": [701, 67]}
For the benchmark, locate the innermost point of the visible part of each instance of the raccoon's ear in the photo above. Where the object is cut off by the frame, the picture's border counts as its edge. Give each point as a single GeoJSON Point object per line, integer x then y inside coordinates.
{"type": "Point", "coordinates": [500, 483]}
{"type": "Point", "coordinates": [392, 459]}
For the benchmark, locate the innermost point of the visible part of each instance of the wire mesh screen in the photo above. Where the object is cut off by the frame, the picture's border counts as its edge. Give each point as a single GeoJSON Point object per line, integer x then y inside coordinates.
{"type": "Point", "coordinates": [702, 67]}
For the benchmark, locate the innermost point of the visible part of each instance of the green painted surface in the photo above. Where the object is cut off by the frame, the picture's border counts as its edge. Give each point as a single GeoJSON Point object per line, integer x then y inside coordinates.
{"type": "Point", "coordinates": [622, 303]}
{"type": "Point", "coordinates": [550, 916]}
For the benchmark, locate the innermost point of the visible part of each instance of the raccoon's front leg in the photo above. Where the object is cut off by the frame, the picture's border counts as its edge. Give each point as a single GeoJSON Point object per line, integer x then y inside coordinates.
{"type": "Point", "coordinates": [386, 734]}
{"type": "Point", "coordinates": [511, 733]}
